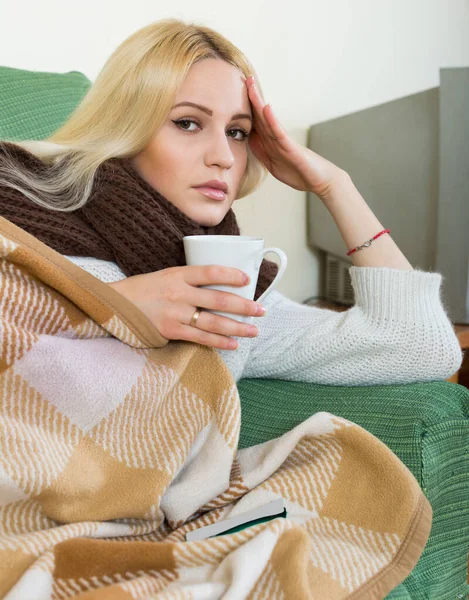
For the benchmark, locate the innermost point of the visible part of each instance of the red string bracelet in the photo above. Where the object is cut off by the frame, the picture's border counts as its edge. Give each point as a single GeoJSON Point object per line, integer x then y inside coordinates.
{"type": "Point", "coordinates": [368, 243]}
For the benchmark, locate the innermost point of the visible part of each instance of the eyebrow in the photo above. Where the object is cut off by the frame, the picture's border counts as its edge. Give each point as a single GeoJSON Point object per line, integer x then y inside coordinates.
{"type": "Point", "coordinates": [210, 112]}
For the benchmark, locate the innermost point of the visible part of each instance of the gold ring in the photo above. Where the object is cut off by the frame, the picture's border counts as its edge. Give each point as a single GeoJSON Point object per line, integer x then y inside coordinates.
{"type": "Point", "coordinates": [195, 316]}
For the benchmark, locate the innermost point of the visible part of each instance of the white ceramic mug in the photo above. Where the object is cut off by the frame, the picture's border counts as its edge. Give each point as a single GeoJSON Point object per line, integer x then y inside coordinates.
{"type": "Point", "coordinates": [239, 251]}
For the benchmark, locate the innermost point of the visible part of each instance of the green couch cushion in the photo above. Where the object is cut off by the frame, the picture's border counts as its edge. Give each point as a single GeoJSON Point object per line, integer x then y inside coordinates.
{"type": "Point", "coordinates": [35, 104]}
{"type": "Point", "coordinates": [425, 424]}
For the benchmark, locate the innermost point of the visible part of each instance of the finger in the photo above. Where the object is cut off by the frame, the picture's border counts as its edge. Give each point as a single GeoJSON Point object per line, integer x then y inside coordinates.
{"type": "Point", "coordinates": [256, 146]}
{"type": "Point", "coordinates": [224, 302]}
{"type": "Point", "coordinates": [269, 124]}
{"type": "Point", "coordinates": [205, 338]}
{"type": "Point", "coordinates": [196, 275]}
{"type": "Point", "coordinates": [258, 104]}
{"type": "Point", "coordinates": [274, 124]}
{"type": "Point", "coordinates": [207, 321]}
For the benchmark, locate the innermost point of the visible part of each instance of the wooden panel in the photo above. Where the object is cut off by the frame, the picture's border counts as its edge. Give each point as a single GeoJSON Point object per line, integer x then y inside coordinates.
{"type": "Point", "coordinates": [462, 331]}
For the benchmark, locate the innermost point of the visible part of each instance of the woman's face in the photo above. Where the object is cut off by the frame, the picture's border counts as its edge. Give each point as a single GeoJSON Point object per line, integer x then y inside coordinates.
{"type": "Point", "coordinates": [196, 145]}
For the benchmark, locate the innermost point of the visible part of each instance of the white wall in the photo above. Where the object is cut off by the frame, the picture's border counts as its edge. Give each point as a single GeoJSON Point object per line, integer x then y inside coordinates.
{"type": "Point", "coordinates": [315, 60]}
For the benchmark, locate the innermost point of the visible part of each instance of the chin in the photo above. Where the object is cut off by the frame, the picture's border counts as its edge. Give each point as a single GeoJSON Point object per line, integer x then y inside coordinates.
{"type": "Point", "coordinates": [210, 222]}
{"type": "Point", "coordinates": [209, 219]}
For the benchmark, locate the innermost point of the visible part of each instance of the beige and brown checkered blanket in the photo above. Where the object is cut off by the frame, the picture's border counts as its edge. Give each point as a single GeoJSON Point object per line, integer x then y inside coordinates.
{"type": "Point", "coordinates": [114, 443]}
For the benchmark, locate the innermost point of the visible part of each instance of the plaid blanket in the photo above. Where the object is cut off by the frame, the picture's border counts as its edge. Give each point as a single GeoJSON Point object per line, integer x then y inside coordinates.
{"type": "Point", "coordinates": [115, 443]}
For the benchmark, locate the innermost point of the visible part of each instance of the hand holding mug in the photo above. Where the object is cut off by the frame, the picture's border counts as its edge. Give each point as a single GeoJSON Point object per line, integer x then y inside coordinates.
{"type": "Point", "coordinates": [169, 297]}
{"type": "Point", "coordinates": [243, 252]}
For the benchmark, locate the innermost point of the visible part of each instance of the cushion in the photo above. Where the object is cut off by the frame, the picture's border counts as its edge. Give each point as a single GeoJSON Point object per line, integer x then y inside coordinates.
{"type": "Point", "coordinates": [35, 103]}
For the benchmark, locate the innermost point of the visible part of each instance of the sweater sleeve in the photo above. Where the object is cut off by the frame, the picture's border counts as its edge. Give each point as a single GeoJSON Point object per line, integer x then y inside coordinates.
{"type": "Point", "coordinates": [398, 331]}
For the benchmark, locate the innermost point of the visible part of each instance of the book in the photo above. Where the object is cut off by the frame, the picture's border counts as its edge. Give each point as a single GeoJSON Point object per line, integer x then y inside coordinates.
{"type": "Point", "coordinates": [260, 514]}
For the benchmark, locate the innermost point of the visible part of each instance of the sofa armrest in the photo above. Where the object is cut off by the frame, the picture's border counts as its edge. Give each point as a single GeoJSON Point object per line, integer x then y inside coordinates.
{"type": "Point", "coordinates": [425, 424]}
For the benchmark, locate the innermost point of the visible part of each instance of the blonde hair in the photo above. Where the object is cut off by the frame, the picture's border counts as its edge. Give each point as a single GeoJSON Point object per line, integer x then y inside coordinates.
{"type": "Point", "coordinates": [125, 106]}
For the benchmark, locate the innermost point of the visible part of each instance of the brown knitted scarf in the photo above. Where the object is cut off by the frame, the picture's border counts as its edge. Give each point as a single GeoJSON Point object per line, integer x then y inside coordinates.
{"type": "Point", "coordinates": [125, 221]}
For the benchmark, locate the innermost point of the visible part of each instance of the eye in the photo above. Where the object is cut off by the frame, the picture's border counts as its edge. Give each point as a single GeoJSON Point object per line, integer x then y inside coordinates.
{"type": "Point", "coordinates": [182, 124]}
{"type": "Point", "coordinates": [244, 133]}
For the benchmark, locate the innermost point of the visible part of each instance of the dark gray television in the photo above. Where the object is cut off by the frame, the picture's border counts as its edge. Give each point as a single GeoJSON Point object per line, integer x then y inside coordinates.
{"type": "Point", "coordinates": [409, 158]}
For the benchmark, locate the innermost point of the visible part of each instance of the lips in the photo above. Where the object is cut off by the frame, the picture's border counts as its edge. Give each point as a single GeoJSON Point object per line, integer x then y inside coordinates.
{"type": "Point", "coordinates": [214, 183]}
{"type": "Point", "coordinates": [210, 192]}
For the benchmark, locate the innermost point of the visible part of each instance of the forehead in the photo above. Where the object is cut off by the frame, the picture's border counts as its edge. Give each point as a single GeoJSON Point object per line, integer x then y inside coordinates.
{"type": "Point", "coordinates": [217, 85]}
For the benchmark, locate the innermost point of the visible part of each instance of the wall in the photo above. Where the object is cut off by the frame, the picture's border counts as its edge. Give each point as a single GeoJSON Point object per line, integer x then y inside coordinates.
{"type": "Point", "coordinates": [315, 61]}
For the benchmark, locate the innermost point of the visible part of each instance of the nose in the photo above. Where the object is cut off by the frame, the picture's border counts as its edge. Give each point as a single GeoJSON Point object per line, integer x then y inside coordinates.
{"type": "Point", "coordinates": [218, 151]}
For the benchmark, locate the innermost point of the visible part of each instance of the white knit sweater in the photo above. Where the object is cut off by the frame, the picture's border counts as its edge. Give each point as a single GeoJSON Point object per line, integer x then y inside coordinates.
{"type": "Point", "coordinates": [398, 331]}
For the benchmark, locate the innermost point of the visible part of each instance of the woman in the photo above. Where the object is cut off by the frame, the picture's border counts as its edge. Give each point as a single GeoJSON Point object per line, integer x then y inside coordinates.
{"type": "Point", "coordinates": [115, 190]}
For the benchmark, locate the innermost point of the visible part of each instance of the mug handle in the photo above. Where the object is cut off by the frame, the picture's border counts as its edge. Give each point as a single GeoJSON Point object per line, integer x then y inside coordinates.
{"type": "Point", "coordinates": [281, 270]}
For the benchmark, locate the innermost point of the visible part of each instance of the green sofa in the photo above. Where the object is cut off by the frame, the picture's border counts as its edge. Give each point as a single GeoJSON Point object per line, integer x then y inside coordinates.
{"type": "Point", "coordinates": [425, 424]}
